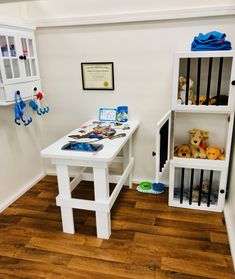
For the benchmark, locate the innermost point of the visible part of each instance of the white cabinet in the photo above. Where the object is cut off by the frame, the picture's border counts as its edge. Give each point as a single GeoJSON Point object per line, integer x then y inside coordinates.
{"type": "Point", "coordinates": [198, 183]}
{"type": "Point", "coordinates": [18, 64]}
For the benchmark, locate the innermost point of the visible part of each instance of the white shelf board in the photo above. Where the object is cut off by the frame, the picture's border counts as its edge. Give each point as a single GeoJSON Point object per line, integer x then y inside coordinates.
{"type": "Point", "coordinates": [202, 109]}
{"type": "Point", "coordinates": [199, 163]}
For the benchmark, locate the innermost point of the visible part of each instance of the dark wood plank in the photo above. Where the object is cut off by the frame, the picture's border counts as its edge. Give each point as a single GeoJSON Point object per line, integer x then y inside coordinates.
{"type": "Point", "coordinates": [111, 268]}
{"type": "Point", "coordinates": [206, 270]}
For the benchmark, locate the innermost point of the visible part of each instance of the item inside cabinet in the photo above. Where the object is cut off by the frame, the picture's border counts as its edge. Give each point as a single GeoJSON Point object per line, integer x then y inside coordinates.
{"type": "Point", "coordinates": [207, 140]}
{"type": "Point", "coordinates": [204, 81]}
{"type": "Point", "coordinates": [196, 186]}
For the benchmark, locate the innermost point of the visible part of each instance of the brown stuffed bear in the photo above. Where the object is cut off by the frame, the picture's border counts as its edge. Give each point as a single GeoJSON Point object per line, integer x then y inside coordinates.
{"type": "Point", "coordinates": [214, 152]}
{"type": "Point", "coordinates": [197, 143]}
{"type": "Point", "coordinates": [202, 100]}
{"type": "Point", "coordinates": [182, 151]}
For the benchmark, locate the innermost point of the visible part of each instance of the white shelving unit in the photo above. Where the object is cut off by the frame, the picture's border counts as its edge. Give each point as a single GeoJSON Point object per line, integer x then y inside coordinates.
{"type": "Point", "coordinates": [18, 63]}
{"type": "Point", "coordinates": [213, 75]}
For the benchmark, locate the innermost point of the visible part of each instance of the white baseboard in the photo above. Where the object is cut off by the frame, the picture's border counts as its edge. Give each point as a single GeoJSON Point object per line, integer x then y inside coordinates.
{"type": "Point", "coordinates": [230, 225]}
{"type": "Point", "coordinates": [21, 191]}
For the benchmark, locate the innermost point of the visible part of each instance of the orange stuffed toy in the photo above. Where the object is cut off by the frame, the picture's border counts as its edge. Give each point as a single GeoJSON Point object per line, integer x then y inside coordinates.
{"type": "Point", "coordinates": [214, 152]}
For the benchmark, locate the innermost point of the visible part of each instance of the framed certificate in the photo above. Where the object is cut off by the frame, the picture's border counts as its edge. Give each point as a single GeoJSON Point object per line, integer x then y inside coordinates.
{"type": "Point", "coordinates": [107, 114]}
{"type": "Point", "coordinates": [97, 76]}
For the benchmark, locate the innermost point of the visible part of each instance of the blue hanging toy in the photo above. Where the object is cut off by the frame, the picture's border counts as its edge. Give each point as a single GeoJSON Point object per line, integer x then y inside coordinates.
{"type": "Point", "coordinates": [33, 105]}
{"type": "Point", "coordinates": [40, 105]}
{"type": "Point", "coordinates": [20, 110]}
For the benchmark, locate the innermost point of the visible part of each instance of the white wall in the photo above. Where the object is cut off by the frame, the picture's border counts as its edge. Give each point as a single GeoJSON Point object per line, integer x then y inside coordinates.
{"type": "Point", "coordinates": [20, 163]}
{"type": "Point", "coordinates": [11, 12]}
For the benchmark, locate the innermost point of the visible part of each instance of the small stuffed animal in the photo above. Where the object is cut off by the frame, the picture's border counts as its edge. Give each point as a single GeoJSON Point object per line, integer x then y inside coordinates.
{"type": "Point", "coordinates": [182, 91]}
{"type": "Point", "coordinates": [202, 100]}
{"type": "Point", "coordinates": [197, 143]}
{"type": "Point", "coordinates": [195, 192]}
{"type": "Point", "coordinates": [182, 151]}
{"type": "Point", "coordinates": [222, 100]}
{"type": "Point", "coordinates": [214, 152]}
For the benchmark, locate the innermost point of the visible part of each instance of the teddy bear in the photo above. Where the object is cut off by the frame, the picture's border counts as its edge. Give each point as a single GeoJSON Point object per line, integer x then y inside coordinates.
{"type": "Point", "coordinates": [214, 152]}
{"type": "Point", "coordinates": [182, 151]}
{"type": "Point", "coordinates": [202, 100]}
{"type": "Point", "coordinates": [182, 91]}
{"type": "Point", "coordinates": [197, 143]}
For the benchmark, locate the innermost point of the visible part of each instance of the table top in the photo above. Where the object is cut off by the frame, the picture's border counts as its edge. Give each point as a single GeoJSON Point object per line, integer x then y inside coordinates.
{"type": "Point", "coordinates": [111, 146]}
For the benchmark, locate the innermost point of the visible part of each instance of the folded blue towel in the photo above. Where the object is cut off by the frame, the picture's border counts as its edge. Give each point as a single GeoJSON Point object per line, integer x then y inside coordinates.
{"type": "Point", "coordinates": [211, 41]}
{"type": "Point", "coordinates": [210, 37]}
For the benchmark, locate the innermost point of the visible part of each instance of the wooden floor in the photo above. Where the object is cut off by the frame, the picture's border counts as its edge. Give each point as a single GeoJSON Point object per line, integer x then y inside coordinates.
{"type": "Point", "coordinates": [149, 239]}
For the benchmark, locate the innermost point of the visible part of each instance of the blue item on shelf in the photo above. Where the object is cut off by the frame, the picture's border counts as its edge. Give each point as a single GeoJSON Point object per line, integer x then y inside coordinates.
{"type": "Point", "coordinates": [211, 41]}
{"type": "Point", "coordinates": [122, 114]}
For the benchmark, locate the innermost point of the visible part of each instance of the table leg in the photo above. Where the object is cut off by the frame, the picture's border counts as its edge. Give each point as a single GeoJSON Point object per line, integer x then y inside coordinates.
{"type": "Point", "coordinates": [101, 185]}
{"type": "Point", "coordinates": [127, 155]}
{"type": "Point", "coordinates": [65, 192]}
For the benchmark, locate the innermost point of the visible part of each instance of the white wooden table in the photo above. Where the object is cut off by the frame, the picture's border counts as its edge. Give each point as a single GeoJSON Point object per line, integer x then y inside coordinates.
{"type": "Point", "coordinates": [100, 162]}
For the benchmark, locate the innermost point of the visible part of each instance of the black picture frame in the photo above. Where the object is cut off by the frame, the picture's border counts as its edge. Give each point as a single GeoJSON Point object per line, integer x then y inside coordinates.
{"type": "Point", "coordinates": [97, 75]}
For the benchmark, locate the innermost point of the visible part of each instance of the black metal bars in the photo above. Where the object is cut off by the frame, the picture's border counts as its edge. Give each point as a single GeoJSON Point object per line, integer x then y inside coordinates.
{"type": "Point", "coordinates": [209, 80]}
{"type": "Point", "coordinates": [182, 186]}
{"type": "Point", "coordinates": [198, 80]}
{"type": "Point", "coordinates": [212, 75]}
{"type": "Point", "coordinates": [209, 190]}
{"type": "Point", "coordinates": [200, 187]}
{"type": "Point", "coordinates": [187, 81]}
{"type": "Point", "coordinates": [191, 186]}
{"type": "Point", "coordinates": [219, 80]}
{"type": "Point", "coordinates": [190, 191]}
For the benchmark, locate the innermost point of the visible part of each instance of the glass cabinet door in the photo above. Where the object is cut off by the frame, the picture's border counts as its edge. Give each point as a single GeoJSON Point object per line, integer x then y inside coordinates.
{"type": "Point", "coordinates": [28, 56]}
{"type": "Point", "coordinates": [9, 56]}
